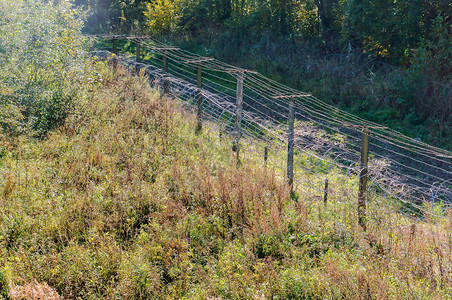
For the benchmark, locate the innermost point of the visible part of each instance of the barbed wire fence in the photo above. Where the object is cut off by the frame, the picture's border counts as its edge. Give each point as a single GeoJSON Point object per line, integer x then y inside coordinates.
{"type": "Point", "coordinates": [318, 145]}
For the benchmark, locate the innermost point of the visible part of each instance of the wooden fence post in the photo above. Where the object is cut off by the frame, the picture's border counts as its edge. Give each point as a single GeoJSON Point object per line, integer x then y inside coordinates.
{"type": "Point", "coordinates": [363, 177]}
{"type": "Point", "coordinates": [199, 96]}
{"type": "Point", "coordinates": [290, 142]}
{"type": "Point", "coordinates": [265, 154]}
{"type": "Point", "coordinates": [165, 69]}
{"type": "Point", "coordinates": [138, 52]}
{"type": "Point", "coordinates": [325, 193]}
{"type": "Point", "coordinates": [238, 114]}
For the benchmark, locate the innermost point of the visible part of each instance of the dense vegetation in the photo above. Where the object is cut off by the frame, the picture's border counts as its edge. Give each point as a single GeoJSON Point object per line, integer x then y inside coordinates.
{"type": "Point", "coordinates": [107, 192]}
{"type": "Point", "coordinates": [43, 70]}
{"type": "Point", "coordinates": [124, 200]}
{"type": "Point", "coordinates": [388, 61]}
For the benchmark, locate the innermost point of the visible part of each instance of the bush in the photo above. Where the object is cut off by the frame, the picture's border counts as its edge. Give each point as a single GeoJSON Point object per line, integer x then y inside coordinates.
{"type": "Point", "coordinates": [42, 55]}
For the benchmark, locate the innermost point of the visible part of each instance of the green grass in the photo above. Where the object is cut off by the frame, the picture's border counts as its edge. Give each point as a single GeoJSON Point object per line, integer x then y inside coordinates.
{"type": "Point", "coordinates": [125, 201]}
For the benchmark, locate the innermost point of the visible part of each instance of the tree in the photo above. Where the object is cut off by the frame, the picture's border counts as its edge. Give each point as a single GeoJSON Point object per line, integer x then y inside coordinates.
{"type": "Point", "coordinates": [162, 16]}
{"type": "Point", "coordinates": [325, 9]}
{"type": "Point", "coordinates": [42, 54]}
{"type": "Point", "coordinates": [385, 28]}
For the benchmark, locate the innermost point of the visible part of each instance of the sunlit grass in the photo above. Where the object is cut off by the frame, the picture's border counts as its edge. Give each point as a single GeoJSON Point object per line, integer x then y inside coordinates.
{"type": "Point", "coordinates": [124, 200]}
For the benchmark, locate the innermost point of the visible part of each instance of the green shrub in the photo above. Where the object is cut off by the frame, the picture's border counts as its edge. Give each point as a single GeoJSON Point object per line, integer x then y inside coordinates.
{"type": "Point", "coordinates": [42, 55]}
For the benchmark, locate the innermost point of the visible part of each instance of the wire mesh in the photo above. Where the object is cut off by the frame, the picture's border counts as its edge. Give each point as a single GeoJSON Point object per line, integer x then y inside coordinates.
{"type": "Point", "coordinates": [402, 171]}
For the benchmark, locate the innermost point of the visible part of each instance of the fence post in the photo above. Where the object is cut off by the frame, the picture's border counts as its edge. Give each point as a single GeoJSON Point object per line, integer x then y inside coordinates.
{"type": "Point", "coordinates": [238, 113]}
{"type": "Point", "coordinates": [363, 177]}
{"type": "Point", "coordinates": [115, 50]}
{"type": "Point", "coordinates": [433, 204]}
{"type": "Point", "coordinates": [325, 193]}
{"type": "Point", "coordinates": [138, 52]}
{"type": "Point", "coordinates": [290, 142]}
{"type": "Point", "coordinates": [265, 154]}
{"type": "Point", "coordinates": [165, 69]}
{"type": "Point", "coordinates": [199, 96]}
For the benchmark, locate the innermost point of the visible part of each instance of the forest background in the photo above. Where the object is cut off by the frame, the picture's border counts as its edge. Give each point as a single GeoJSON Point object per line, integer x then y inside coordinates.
{"type": "Point", "coordinates": [388, 61]}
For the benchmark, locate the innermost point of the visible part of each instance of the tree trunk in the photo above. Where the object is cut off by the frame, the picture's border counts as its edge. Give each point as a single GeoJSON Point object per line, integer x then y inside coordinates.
{"type": "Point", "coordinates": [324, 8]}
{"type": "Point", "coordinates": [283, 17]}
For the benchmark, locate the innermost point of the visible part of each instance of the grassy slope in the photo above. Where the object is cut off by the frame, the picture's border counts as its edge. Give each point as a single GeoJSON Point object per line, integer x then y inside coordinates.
{"type": "Point", "coordinates": [126, 201]}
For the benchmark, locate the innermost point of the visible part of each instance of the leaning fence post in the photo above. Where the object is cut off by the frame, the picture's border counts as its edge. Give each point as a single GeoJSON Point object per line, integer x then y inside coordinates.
{"type": "Point", "coordinates": [165, 69]}
{"type": "Point", "coordinates": [199, 96]}
{"type": "Point", "coordinates": [363, 177]}
{"type": "Point", "coordinates": [290, 142]}
{"type": "Point", "coordinates": [238, 113]}
{"type": "Point", "coordinates": [138, 52]}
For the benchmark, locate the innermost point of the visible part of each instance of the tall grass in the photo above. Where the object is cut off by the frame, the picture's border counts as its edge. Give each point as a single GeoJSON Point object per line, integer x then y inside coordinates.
{"type": "Point", "coordinates": [125, 201]}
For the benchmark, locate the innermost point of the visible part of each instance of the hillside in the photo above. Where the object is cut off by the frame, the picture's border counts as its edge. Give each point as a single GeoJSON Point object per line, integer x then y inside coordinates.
{"type": "Point", "coordinates": [124, 200]}
{"type": "Point", "coordinates": [109, 190]}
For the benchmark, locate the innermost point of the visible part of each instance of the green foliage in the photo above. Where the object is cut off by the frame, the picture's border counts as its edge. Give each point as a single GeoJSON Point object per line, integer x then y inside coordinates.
{"type": "Point", "coordinates": [434, 55]}
{"type": "Point", "coordinates": [4, 289]}
{"type": "Point", "coordinates": [425, 89]}
{"type": "Point", "coordinates": [42, 55]}
{"type": "Point", "coordinates": [162, 16]}
{"type": "Point", "coordinates": [383, 27]}
{"type": "Point", "coordinates": [306, 19]}
{"type": "Point", "coordinates": [104, 16]}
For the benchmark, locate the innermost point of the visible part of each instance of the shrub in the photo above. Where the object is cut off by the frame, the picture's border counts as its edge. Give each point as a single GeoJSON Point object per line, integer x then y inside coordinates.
{"type": "Point", "coordinates": [42, 56]}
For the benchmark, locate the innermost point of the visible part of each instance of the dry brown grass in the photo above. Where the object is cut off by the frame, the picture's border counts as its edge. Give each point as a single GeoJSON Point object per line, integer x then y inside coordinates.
{"type": "Point", "coordinates": [33, 291]}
